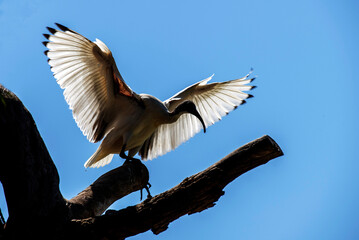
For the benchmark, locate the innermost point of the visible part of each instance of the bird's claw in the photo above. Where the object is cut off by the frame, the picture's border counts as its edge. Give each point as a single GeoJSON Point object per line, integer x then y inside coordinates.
{"type": "Point", "coordinates": [147, 187]}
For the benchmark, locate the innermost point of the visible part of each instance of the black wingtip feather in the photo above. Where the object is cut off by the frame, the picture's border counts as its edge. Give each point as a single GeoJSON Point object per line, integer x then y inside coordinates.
{"type": "Point", "coordinates": [51, 30]}
{"type": "Point", "coordinates": [243, 102]}
{"type": "Point", "coordinates": [249, 96]}
{"type": "Point", "coordinates": [45, 52]}
{"type": "Point", "coordinates": [47, 36]}
{"type": "Point", "coordinates": [62, 27]}
{"type": "Point", "coordinates": [45, 43]}
{"type": "Point", "coordinates": [253, 87]}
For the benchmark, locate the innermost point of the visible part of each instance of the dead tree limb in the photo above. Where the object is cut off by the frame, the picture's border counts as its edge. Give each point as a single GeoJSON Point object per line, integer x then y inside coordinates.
{"type": "Point", "coordinates": [193, 194]}
{"type": "Point", "coordinates": [107, 189]}
{"type": "Point", "coordinates": [37, 208]}
{"type": "Point", "coordinates": [31, 182]}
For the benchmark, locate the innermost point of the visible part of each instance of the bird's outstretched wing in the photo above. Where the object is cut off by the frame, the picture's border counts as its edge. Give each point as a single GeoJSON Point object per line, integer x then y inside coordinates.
{"type": "Point", "coordinates": [88, 73]}
{"type": "Point", "coordinates": [213, 101]}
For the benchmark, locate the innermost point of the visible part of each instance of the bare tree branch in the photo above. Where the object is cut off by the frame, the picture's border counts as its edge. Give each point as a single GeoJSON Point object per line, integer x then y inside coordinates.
{"type": "Point", "coordinates": [193, 194]}
{"type": "Point", "coordinates": [31, 182]}
{"type": "Point", "coordinates": [27, 173]}
{"type": "Point", "coordinates": [108, 188]}
{"type": "Point", "coordinates": [37, 208]}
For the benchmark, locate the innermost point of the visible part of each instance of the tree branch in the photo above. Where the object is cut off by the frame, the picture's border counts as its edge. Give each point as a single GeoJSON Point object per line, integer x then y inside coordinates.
{"type": "Point", "coordinates": [36, 206]}
{"type": "Point", "coordinates": [193, 194]}
{"type": "Point", "coordinates": [27, 173]}
{"type": "Point", "coordinates": [108, 188]}
{"type": "Point", "coordinates": [31, 182]}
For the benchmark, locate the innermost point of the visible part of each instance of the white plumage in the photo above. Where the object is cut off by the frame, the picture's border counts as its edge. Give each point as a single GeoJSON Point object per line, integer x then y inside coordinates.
{"type": "Point", "coordinates": [104, 107]}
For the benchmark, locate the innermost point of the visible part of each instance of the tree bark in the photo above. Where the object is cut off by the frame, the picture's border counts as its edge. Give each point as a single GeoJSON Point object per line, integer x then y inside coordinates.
{"type": "Point", "coordinates": [192, 195]}
{"type": "Point", "coordinates": [107, 189]}
{"type": "Point", "coordinates": [37, 208]}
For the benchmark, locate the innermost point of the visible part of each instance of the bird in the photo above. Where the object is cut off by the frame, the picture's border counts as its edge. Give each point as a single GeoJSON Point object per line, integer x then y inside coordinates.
{"type": "Point", "coordinates": [106, 108]}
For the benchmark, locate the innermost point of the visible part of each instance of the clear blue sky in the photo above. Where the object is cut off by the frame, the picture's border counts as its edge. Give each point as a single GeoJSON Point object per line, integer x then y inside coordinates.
{"type": "Point", "coordinates": [306, 56]}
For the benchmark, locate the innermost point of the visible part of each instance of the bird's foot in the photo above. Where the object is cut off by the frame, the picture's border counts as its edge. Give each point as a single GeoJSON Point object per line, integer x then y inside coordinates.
{"type": "Point", "coordinates": [147, 187]}
{"type": "Point", "coordinates": [127, 158]}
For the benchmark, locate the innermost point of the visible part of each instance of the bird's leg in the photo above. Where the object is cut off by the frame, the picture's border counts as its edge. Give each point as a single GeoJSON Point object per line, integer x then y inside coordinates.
{"type": "Point", "coordinates": [135, 160]}
{"type": "Point", "coordinates": [147, 187]}
{"type": "Point", "coordinates": [127, 158]}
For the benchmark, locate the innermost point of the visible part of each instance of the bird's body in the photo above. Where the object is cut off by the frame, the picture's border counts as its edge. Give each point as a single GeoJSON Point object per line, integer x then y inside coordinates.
{"type": "Point", "coordinates": [134, 130]}
{"type": "Point", "coordinates": [104, 107]}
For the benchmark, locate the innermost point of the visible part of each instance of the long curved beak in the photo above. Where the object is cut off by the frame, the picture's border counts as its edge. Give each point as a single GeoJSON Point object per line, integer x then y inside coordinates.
{"type": "Point", "coordinates": [196, 113]}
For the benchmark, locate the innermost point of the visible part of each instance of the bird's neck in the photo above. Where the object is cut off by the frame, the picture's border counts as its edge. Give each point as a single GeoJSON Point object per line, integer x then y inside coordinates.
{"type": "Point", "coordinates": [174, 116]}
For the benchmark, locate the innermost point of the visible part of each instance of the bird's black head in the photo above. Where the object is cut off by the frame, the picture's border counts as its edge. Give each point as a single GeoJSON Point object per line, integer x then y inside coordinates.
{"type": "Point", "coordinates": [190, 107]}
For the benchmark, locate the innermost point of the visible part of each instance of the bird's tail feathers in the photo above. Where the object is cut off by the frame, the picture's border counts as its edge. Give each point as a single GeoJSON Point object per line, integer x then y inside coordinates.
{"type": "Point", "coordinates": [98, 159]}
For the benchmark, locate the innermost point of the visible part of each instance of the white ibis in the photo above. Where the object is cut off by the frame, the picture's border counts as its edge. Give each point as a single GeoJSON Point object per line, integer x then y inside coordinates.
{"type": "Point", "coordinates": [105, 107]}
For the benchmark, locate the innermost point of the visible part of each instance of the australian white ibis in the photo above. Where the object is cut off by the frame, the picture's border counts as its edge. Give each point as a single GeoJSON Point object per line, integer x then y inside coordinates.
{"type": "Point", "coordinates": [105, 107]}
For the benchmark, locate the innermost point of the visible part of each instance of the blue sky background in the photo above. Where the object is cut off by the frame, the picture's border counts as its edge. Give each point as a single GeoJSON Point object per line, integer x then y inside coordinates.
{"type": "Point", "coordinates": [305, 54]}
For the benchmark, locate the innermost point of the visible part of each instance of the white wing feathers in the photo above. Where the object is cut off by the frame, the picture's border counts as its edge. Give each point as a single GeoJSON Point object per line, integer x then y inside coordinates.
{"type": "Point", "coordinates": [213, 101]}
{"type": "Point", "coordinates": [92, 85]}
{"type": "Point", "coordinates": [88, 73]}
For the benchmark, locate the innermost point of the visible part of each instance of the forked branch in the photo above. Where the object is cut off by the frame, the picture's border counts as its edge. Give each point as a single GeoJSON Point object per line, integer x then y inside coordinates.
{"type": "Point", "coordinates": [38, 210]}
{"type": "Point", "coordinates": [193, 194]}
